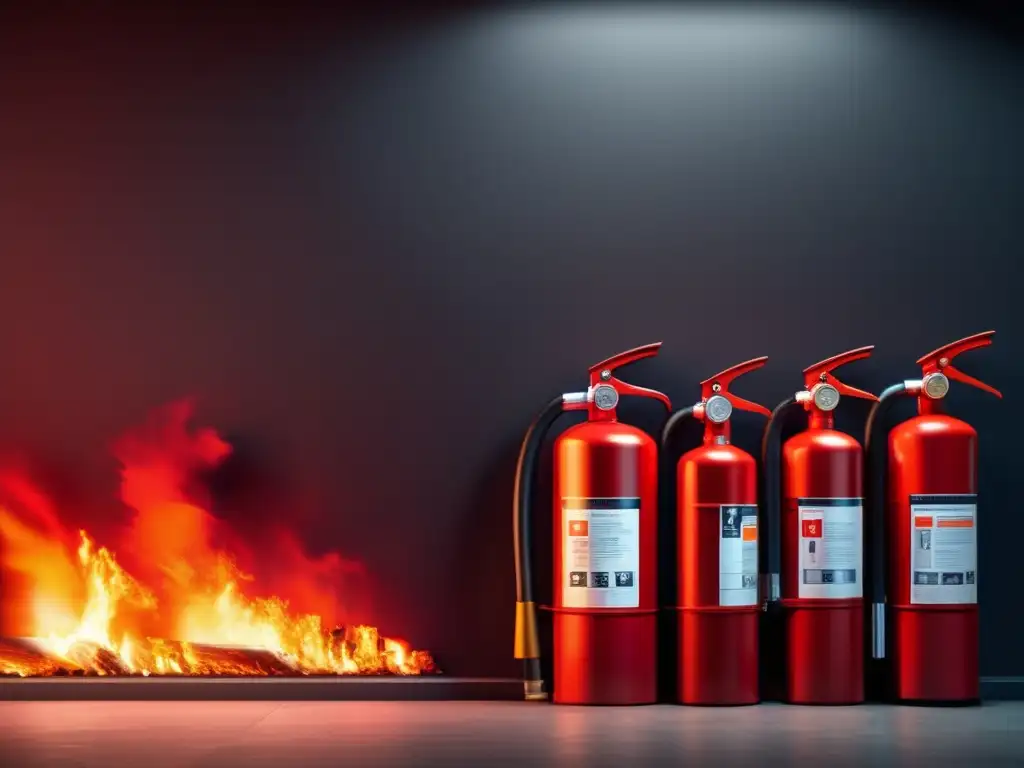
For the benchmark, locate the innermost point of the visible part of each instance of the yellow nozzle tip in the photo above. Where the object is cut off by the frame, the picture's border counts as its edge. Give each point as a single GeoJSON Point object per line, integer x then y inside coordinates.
{"type": "Point", "coordinates": [527, 642]}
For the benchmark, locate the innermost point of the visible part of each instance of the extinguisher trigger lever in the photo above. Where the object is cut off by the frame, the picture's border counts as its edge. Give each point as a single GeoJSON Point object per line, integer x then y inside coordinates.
{"type": "Point", "coordinates": [746, 405]}
{"type": "Point", "coordinates": [604, 370]}
{"type": "Point", "coordinates": [846, 389]}
{"type": "Point", "coordinates": [958, 375]}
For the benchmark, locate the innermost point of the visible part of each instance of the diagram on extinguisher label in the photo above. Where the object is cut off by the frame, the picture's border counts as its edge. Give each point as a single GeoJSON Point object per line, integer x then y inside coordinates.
{"type": "Point", "coordinates": [737, 555]}
{"type": "Point", "coordinates": [601, 553]}
{"type": "Point", "coordinates": [831, 548]}
{"type": "Point", "coordinates": [943, 549]}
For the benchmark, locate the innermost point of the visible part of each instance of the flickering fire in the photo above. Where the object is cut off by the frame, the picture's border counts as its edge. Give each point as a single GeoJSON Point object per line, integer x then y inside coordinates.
{"type": "Point", "coordinates": [190, 609]}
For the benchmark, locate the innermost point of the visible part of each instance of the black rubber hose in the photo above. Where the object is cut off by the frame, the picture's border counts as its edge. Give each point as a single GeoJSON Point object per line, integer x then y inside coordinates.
{"type": "Point", "coordinates": [771, 474]}
{"type": "Point", "coordinates": [522, 501]}
{"type": "Point", "coordinates": [876, 451]}
{"type": "Point", "coordinates": [677, 418]}
{"type": "Point", "coordinates": [527, 645]}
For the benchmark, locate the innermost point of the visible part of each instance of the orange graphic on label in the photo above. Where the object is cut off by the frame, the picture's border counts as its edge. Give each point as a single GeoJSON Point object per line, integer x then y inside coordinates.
{"type": "Point", "coordinates": [922, 522]}
{"type": "Point", "coordinates": [812, 529]}
{"type": "Point", "coordinates": [749, 533]}
{"type": "Point", "coordinates": [956, 523]}
{"type": "Point", "coordinates": [578, 528]}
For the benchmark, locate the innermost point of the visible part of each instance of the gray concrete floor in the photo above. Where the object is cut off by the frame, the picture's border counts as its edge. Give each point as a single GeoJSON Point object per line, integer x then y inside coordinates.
{"type": "Point", "coordinates": [490, 734]}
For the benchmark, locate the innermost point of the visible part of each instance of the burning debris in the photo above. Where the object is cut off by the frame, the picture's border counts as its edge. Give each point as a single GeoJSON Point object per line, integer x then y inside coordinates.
{"type": "Point", "coordinates": [90, 617]}
{"type": "Point", "coordinates": [31, 657]}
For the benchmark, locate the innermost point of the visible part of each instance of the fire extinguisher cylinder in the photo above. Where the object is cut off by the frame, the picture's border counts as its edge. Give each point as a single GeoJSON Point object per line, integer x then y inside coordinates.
{"type": "Point", "coordinates": [818, 483]}
{"type": "Point", "coordinates": [604, 611]}
{"type": "Point", "coordinates": [717, 545]}
{"type": "Point", "coordinates": [923, 502]}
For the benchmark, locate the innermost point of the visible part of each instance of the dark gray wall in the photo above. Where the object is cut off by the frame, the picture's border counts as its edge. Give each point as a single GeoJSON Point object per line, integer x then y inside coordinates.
{"type": "Point", "coordinates": [375, 251]}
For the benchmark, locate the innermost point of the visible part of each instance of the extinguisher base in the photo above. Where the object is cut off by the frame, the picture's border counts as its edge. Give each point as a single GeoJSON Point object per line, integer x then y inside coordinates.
{"type": "Point", "coordinates": [605, 659]}
{"type": "Point", "coordinates": [939, 703]}
{"type": "Point", "coordinates": [825, 652]}
{"type": "Point", "coordinates": [935, 655]}
{"type": "Point", "coordinates": [718, 653]}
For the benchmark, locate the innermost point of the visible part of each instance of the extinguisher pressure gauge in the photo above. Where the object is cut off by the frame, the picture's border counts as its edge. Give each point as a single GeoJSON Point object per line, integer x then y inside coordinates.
{"type": "Point", "coordinates": [936, 385]}
{"type": "Point", "coordinates": [717, 409]}
{"type": "Point", "coordinates": [826, 397]}
{"type": "Point", "coordinates": [605, 397]}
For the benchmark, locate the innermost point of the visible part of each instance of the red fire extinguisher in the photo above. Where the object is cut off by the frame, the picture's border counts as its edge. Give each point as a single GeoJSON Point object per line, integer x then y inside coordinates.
{"type": "Point", "coordinates": [605, 547]}
{"type": "Point", "coordinates": [929, 464]}
{"type": "Point", "coordinates": [717, 543]}
{"type": "Point", "coordinates": [820, 536]}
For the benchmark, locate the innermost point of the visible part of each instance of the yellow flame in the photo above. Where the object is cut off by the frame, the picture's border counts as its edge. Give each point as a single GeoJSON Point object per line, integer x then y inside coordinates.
{"type": "Point", "coordinates": [221, 617]}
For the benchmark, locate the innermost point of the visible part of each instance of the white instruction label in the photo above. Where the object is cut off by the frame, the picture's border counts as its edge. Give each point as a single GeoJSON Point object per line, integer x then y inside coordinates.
{"type": "Point", "coordinates": [601, 553]}
{"type": "Point", "coordinates": [737, 555]}
{"type": "Point", "coordinates": [943, 549]}
{"type": "Point", "coordinates": [831, 548]}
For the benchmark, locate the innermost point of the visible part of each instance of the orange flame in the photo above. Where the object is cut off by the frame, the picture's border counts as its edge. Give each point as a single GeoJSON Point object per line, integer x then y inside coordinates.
{"type": "Point", "coordinates": [86, 614]}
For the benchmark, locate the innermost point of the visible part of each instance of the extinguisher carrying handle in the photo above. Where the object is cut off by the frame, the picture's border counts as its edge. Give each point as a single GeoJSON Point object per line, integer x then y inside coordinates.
{"type": "Point", "coordinates": [719, 385]}
{"type": "Point", "coordinates": [771, 480]}
{"type": "Point", "coordinates": [941, 361]}
{"type": "Point", "coordinates": [876, 452]}
{"type": "Point", "coordinates": [623, 358]}
{"type": "Point", "coordinates": [821, 373]}
{"type": "Point", "coordinates": [604, 373]}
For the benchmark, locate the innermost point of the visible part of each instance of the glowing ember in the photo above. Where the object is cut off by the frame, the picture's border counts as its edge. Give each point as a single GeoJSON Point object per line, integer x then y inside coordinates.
{"type": "Point", "coordinates": [86, 614]}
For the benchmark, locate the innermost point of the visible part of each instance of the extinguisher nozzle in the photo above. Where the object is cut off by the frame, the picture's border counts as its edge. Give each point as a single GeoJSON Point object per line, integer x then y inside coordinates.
{"type": "Point", "coordinates": [533, 685]}
{"type": "Point", "coordinates": [770, 588]}
{"type": "Point", "coordinates": [878, 631]}
{"type": "Point", "coordinates": [528, 649]}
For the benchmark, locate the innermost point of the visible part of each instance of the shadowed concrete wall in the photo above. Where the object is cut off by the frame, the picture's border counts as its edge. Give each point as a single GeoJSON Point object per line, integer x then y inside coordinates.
{"type": "Point", "coordinates": [373, 252]}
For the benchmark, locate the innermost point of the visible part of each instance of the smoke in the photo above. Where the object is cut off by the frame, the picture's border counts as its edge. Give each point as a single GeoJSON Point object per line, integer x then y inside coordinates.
{"type": "Point", "coordinates": [173, 542]}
